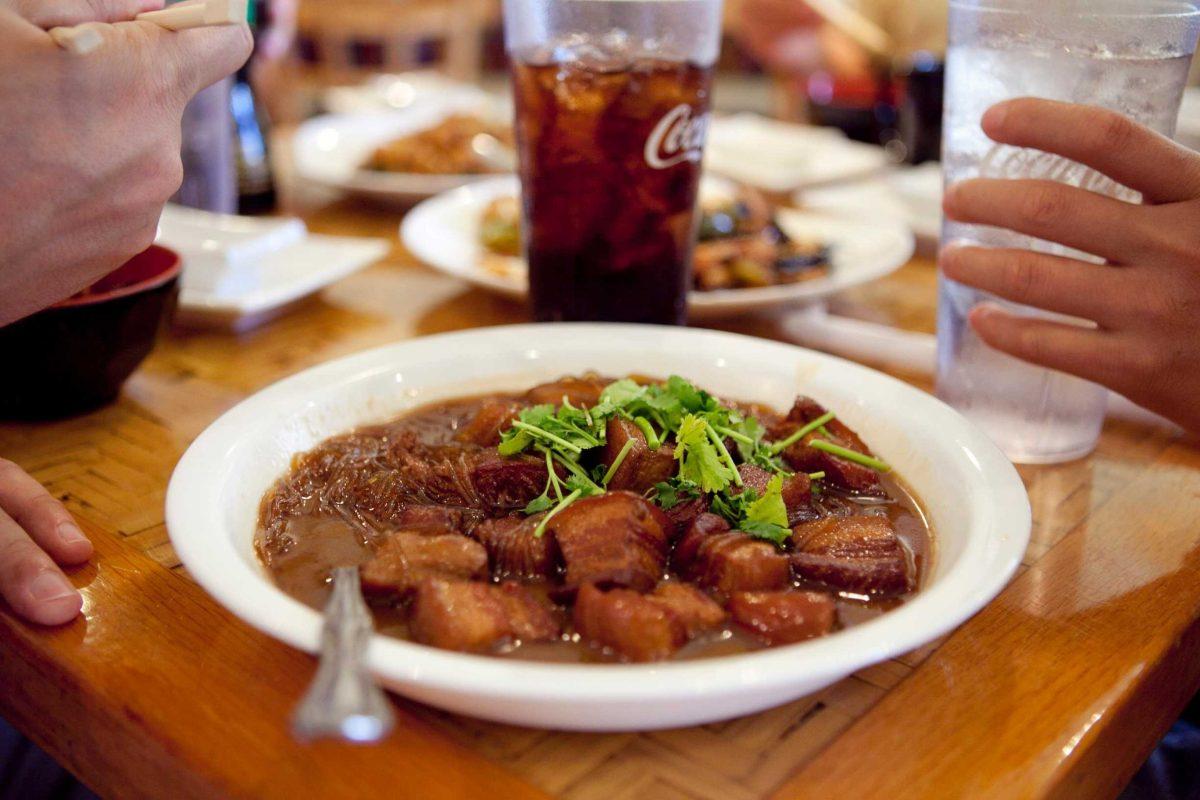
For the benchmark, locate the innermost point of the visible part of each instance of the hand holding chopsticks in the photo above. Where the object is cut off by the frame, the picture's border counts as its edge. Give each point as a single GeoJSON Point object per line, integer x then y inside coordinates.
{"type": "Point", "coordinates": [83, 39]}
{"type": "Point", "coordinates": [93, 142]}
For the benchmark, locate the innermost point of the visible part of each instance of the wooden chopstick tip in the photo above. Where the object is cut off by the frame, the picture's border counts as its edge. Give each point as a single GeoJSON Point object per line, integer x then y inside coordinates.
{"type": "Point", "coordinates": [182, 16]}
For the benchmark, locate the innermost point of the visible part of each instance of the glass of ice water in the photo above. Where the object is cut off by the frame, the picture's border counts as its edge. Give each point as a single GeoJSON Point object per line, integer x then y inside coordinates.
{"type": "Point", "coordinates": [1130, 56]}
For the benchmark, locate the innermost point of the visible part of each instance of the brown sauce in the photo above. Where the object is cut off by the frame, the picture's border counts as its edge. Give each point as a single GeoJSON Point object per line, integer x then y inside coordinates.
{"type": "Point", "coordinates": [313, 521]}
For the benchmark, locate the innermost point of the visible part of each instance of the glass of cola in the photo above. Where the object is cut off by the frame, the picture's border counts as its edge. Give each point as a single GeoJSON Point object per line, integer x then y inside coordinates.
{"type": "Point", "coordinates": [612, 107]}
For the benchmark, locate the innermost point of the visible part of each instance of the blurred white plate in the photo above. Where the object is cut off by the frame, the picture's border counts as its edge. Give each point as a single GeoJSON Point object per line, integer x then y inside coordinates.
{"type": "Point", "coordinates": [444, 233]}
{"type": "Point", "coordinates": [911, 195]}
{"type": "Point", "coordinates": [330, 150]}
{"type": "Point", "coordinates": [783, 156]}
{"type": "Point", "coordinates": [404, 90]}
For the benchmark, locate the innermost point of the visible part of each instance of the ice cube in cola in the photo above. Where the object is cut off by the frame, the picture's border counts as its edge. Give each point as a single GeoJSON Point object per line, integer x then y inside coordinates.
{"type": "Point", "coordinates": [610, 164]}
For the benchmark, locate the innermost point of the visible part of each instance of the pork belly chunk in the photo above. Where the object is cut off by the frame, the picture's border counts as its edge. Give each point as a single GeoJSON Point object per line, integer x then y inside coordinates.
{"type": "Point", "coordinates": [493, 417]}
{"type": "Point", "coordinates": [728, 561]}
{"type": "Point", "coordinates": [783, 617]}
{"type": "Point", "coordinates": [754, 477]}
{"type": "Point", "coordinates": [697, 611]}
{"type": "Point", "coordinates": [796, 491]}
{"type": "Point", "coordinates": [530, 619]}
{"type": "Point", "coordinates": [630, 624]}
{"type": "Point", "coordinates": [682, 515]}
{"type": "Point", "coordinates": [513, 550]}
{"type": "Point", "coordinates": [642, 467]}
{"type": "Point", "coordinates": [507, 484]}
{"type": "Point", "coordinates": [802, 457]}
{"type": "Point", "coordinates": [583, 390]}
{"type": "Point", "coordinates": [804, 410]}
{"type": "Point", "coordinates": [406, 558]}
{"type": "Point", "coordinates": [860, 554]}
{"type": "Point", "coordinates": [475, 617]}
{"type": "Point", "coordinates": [615, 539]}
{"type": "Point", "coordinates": [702, 528]}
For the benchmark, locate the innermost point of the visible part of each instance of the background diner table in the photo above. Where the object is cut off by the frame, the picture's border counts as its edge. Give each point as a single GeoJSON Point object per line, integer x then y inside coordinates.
{"type": "Point", "coordinates": [1059, 688]}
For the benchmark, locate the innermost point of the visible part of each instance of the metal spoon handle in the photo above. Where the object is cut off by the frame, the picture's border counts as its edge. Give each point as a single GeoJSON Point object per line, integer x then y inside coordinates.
{"type": "Point", "coordinates": [343, 700]}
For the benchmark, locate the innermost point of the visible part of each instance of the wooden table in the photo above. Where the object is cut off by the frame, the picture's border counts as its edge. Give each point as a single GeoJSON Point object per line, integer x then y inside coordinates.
{"type": "Point", "coordinates": [1059, 688]}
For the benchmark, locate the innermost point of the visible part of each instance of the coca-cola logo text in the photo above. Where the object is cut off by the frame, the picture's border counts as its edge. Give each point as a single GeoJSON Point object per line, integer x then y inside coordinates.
{"type": "Point", "coordinates": [677, 137]}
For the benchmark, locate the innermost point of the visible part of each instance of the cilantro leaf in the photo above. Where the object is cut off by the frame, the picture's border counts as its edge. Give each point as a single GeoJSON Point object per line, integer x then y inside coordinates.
{"type": "Point", "coordinates": [513, 441]}
{"type": "Point", "coordinates": [583, 485]}
{"type": "Point", "coordinates": [675, 491]}
{"type": "Point", "coordinates": [779, 534]}
{"type": "Point", "coordinates": [769, 509]}
{"type": "Point", "coordinates": [566, 429]}
{"type": "Point", "coordinates": [699, 460]}
{"type": "Point", "coordinates": [761, 516]}
{"type": "Point", "coordinates": [691, 398]}
{"type": "Point", "coordinates": [617, 396]}
{"type": "Point", "coordinates": [753, 430]}
{"type": "Point", "coordinates": [540, 503]}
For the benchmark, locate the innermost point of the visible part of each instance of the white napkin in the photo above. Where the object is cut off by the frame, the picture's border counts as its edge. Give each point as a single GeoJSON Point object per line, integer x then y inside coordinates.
{"type": "Point", "coordinates": [223, 254]}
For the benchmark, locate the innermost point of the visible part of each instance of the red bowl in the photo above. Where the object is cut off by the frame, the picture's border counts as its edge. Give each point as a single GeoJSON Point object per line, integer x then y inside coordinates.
{"type": "Point", "coordinates": [75, 355]}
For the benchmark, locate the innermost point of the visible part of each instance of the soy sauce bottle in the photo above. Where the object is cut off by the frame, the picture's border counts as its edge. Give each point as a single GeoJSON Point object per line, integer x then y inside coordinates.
{"type": "Point", "coordinates": [255, 179]}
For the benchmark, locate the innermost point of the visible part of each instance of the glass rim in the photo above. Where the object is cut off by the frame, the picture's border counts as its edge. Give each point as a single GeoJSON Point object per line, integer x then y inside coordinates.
{"type": "Point", "coordinates": [1161, 9]}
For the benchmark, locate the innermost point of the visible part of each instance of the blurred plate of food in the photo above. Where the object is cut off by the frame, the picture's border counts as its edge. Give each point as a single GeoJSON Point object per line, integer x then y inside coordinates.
{"type": "Point", "coordinates": [239, 272]}
{"type": "Point", "coordinates": [400, 91]}
{"type": "Point", "coordinates": [751, 256]}
{"type": "Point", "coordinates": [781, 157]}
{"type": "Point", "coordinates": [408, 154]}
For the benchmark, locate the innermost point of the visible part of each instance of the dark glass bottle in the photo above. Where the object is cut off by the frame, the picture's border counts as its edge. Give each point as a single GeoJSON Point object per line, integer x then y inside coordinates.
{"type": "Point", "coordinates": [252, 131]}
{"type": "Point", "coordinates": [921, 111]}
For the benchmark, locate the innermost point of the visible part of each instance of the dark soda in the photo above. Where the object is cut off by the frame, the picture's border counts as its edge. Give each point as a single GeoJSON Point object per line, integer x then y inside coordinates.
{"type": "Point", "coordinates": [610, 166]}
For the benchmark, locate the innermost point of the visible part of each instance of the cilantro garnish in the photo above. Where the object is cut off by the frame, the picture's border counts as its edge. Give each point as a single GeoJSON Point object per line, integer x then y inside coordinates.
{"type": "Point", "coordinates": [699, 459]}
{"type": "Point", "coordinates": [709, 440]}
{"type": "Point", "coordinates": [762, 516]}
{"type": "Point", "coordinates": [669, 494]}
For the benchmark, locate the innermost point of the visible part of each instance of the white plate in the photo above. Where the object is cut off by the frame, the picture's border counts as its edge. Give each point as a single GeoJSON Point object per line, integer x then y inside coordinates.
{"type": "Point", "coordinates": [330, 150]}
{"type": "Point", "coordinates": [399, 91]}
{"type": "Point", "coordinates": [444, 233]}
{"type": "Point", "coordinates": [783, 156]}
{"type": "Point", "coordinates": [975, 500]}
{"type": "Point", "coordinates": [912, 195]}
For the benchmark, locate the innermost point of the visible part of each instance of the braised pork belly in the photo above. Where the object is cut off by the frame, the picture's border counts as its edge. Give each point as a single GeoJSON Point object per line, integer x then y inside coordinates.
{"type": "Point", "coordinates": [591, 519]}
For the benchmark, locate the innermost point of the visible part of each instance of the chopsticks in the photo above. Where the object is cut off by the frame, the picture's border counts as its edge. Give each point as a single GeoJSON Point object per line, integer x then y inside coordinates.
{"type": "Point", "coordinates": [83, 39]}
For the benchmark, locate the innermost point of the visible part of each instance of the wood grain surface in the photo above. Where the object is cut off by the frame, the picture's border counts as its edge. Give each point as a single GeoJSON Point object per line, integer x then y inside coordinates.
{"type": "Point", "coordinates": [1057, 689]}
